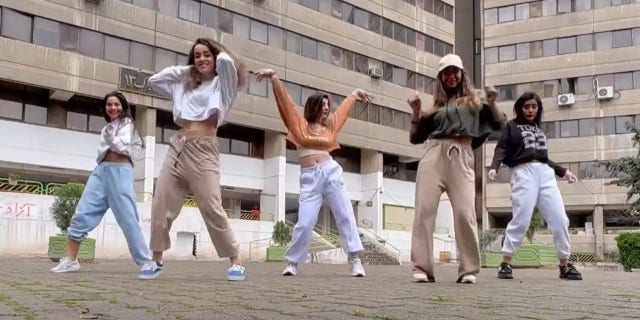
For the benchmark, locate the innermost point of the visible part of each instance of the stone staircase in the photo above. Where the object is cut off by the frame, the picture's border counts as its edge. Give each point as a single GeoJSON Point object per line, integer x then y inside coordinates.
{"type": "Point", "coordinates": [376, 253]}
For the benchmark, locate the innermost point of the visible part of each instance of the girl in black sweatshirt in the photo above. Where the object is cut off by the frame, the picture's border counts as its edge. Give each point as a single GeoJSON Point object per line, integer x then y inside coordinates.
{"type": "Point", "coordinates": [523, 147]}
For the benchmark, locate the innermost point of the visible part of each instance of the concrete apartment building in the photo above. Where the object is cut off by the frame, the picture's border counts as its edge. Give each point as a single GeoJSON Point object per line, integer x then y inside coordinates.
{"type": "Point", "coordinates": [583, 58]}
{"type": "Point", "coordinates": [60, 57]}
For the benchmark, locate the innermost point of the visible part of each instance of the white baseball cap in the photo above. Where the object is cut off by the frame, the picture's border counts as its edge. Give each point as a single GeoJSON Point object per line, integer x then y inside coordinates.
{"type": "Point", "coordinates": [448, 61]}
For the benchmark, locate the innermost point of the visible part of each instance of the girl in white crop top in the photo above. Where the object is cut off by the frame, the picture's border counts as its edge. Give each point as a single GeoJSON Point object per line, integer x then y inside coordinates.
{"type": "Point", "coordinates": [202, 94]}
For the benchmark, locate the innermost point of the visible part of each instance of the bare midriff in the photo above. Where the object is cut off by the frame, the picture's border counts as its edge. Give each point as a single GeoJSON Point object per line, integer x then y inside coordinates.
{"type": "Point", "coordinates": [205, 127]}
{"type": "Point", "coordinates": [112, 156]}
{"type": "Point", "coordinates": [313, 160]}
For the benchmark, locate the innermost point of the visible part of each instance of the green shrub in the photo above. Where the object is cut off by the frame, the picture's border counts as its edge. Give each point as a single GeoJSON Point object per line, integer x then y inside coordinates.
{"type": "Point", "coordinates": [281, 233]}
{"type": "Point", "coordinates": [629, 249]}
{"type": "Point", "coordinates": [63, 208]}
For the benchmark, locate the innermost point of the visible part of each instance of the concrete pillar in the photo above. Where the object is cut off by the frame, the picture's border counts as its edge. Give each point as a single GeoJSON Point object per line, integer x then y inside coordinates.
{"type": "Point", "coordinates": [143, 171]}
{"type": "Point", "coordinates": [57, 114]}
{"type": "Point", "coordinates": [598, 229]}
{"type": "Point", "coordinates": [272, 198]}
{"type": "Point", "coordinates": [370, 208]}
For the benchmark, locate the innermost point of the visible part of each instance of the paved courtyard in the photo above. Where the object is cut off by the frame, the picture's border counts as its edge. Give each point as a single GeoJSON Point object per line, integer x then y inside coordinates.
{"type": "Point", "coordinates": [108, 289]}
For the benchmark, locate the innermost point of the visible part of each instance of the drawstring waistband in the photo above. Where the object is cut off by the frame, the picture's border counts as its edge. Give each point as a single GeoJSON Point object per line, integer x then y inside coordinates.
{"type": "Point", "coordinates": [451, 148]}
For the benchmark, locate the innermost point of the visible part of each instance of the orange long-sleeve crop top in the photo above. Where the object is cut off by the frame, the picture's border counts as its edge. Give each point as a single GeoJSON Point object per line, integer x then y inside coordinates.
{"type": "Point", "coordinates": [310, 135]}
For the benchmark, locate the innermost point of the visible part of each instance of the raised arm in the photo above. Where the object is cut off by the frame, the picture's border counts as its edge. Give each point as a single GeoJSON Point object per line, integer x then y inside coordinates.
{"type": "Point", "coordinates": [287, 109]}
{"type": "Point", "coordinates": [227, 77]}
{"type": "Point", "coordinates": [340, 116]}
{"type": "Point", "coordinates": [164, 81]}
{"type": "Point", "coordinates": [122, 137]}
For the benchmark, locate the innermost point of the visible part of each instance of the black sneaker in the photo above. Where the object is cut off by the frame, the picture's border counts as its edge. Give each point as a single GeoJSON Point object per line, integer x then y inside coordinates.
{"type": "Point", "coordinates": [505, 271]}
{"type": "Point", "coordinates": [569, 272]}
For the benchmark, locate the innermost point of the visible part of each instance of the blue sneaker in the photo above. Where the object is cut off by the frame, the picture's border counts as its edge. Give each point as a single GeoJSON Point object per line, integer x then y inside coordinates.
{"type": "Point", "coordinates": [235, 273]}
{"type": "Point", "coordinates": [150, 270]}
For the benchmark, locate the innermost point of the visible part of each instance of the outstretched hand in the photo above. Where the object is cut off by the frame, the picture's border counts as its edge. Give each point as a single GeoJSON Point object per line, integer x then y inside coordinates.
{"type": "Point", "coordinates": [362, 95]}
{"type": "Point", "coordinates": [264, 74]}
{"type": "Point", "coordinates": [415, 104]}
{"type": "Point", "coordinates": [492, 174]}
{"type": "Point", "coordinates": [570, 177]}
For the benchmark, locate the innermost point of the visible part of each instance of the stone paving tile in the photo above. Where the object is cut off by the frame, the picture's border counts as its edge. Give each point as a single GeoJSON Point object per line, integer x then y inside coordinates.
{"type": "Point", "coordinates": [108, 289]}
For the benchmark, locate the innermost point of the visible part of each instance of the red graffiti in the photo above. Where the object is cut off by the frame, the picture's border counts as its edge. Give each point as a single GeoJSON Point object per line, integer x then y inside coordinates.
{"type": "Point", "coordinates": [16, 209]}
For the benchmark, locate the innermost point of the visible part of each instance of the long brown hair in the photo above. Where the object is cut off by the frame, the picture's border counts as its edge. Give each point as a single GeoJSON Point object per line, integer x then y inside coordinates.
{"type": "Point", "coordinates": [195, 78]}
{"type": "Point", "coordinates": [313, 106]}
{"type": "Point", "coordinates": [465, 92]}
{"type": "Point", "coordinates": [126, 109]}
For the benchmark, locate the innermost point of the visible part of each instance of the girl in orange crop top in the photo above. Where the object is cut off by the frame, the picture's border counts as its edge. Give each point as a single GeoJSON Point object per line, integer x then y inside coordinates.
{"type": "Point", "coordinates": [320, 176]}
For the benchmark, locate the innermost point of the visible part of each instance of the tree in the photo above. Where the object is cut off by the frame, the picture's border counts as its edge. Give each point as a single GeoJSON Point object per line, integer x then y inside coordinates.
{"type": "Point", "coordinates": [63, 208]}
{"type": "Point", "coordinates": [626, 173]}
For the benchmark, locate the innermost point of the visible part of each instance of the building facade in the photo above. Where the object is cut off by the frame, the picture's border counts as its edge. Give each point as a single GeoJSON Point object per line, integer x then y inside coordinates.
{"type": "Point", "coordinates": [582, 57]}
{"type": "Point", "coordinates": [60, 57]}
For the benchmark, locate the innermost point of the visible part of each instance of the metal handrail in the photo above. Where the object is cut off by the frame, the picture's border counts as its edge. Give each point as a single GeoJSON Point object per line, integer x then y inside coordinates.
{"type": "Point", "coordinates": [382, 241]}
{"type": "Point", "coordinates": [21, 186]}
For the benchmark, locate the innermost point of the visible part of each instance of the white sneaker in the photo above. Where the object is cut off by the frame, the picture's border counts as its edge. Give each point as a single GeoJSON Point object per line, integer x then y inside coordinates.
{"type": "Point", "coordinates": [149, 271]}
{"type": "Point", "coordinates": [468, 278]}
{"type": "Point", "coordinates": [290, 270]}
{"type": "Point", "coordinates": [356, 268]}
{"type": "Point", "coordinates": [66, 265]}
{"type": "Point", "coordinates": [420, 277]}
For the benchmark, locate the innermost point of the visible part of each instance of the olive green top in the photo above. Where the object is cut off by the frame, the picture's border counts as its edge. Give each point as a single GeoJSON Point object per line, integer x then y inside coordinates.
{"type": "Point", "coordinates": [457, 120]}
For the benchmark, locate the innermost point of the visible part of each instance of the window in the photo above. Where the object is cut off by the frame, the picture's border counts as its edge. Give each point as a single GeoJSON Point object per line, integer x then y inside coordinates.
{"type": "Point", "coordinates": [568, 85]}
{"type": "Point", "coordinates": [605, 80]}
{"type": "Point", "coordinates": [399, 76]}
{"type": "Point", "coordinates": [522, 11]}
{"type": "Point", "coordinates": [549, 7]}
{"type": "Point", "coordinates": [324, 52]}
{"type": "Point", "coordinates": [189, 10]}
{"type": "Point", "coordinates": [276, 37]}
{"type": "Point", "coordinates": [536, 49]}
{"type": "Point", "coordinates": [551, 129]}
{"type": "Point", "coordinates": [604, 40]}
{"type": "Point", "coordinates": [374, 23]}
{"type": "Point", "coordinates": [523, 51]}
{"type": "Point", "coordinates": [507, 92]}
{"type": "Point", "coordinates": [587, 127]}
{"type": "Point", "coordinates": [309, 48]}
{"type": "Point", "coordinates": [144, 3]}
{"type": "Point", "coordinates": [584, 85]}
{"type": "Point", "coordinates": [522, 88]}
{"type": "Point", "coordinates": [636, 79]}
{"type": "Point", "coordinates": [141, 56]}
{"type": "Point", "coordinates": [96, 123]}
{"type": "Point", "coordinates": [209, 16]}
{"type": "Point", "coordinates": [336, 56]}
{"type": "Point", "coordinates": [35, 114]}
{"type": "Point", "coordinates": [240, 147]}
{"type": "Point", "coordinates": [387, 28]}
{"type": "Point", "coordinates": [567, 45]}
{"type": "Point", "coordinates": [76, 121]}
{"type": "Point", "coordinates": [551, 88]}
{"type": "Point", "coordinates": [602, 3]}
{"type": "Point", "coordinates": [241, 26]}
{"type": "Point", "coordinates": [295, 91]}
{"type": "Point", "coordinates": [116, 50]}
{"type": "Point", "coordinates": [347, 60]}
{"type": "Point", "coordinates": [550, 47]}
{"type": "Point", "coordinates": [311, 4]}
{"type": "Point", "coordinates": [399, 32]}
{"type": "Point", "coordinates": [490, 55]}
{"type": "Point", "coordinates": [623, 81]}
{"type": "Point", "coordinates": [225, 21]}
{"type": "Point", "coordinates": [10, 109]}
{"type": "Point", "coordinates": [294, 43]}
{"type": "Point", "coordinates": [165, 59]}
{"type": "Point", "coordinates": [91, 44]}
{"type": "Point", "coordinates": [259, 32]}
{"type": "Point", "coordinates": [361, 18]}
{"type": "Point", "coordinates": [347, 12]}
{"type": "Point", "coordinates": [564, 6]}
{"type": "Point", "coordinates": [361, 64]}
{"type": "Point", "coordinates": [69, 38]}
{"type": "Point", "coordinates": [535, 9]}
{"type": "Point", "coordinates": [507, 53]}
{"type": "Point", "coordinates": [636, 36]}
{"type": "Point", "coordinates": [360, 111]}
{"type": "Point", "coordinates": [324, 7]}
{"type": "Point", "coordinates": [621, 124]}
{"type": "Point", "coordinates": [607, 126]}
{"type": "Point", "coordinates": [168, 7]}
{"type": "Point", "coordinates": [16, 25]}
{"type": "Point", "coordinates": [622, 38]}
{"type": "Point", "coordinates": [306, 93]}
{"type": "Point", "coordinates": [46, 32]}
{"type": "Point", "coordinates": [257, 88]}
{"type": "Point", "coordinates": [582, 5]}
{"type": "Point", "coordinates": [569, 128]}
{"type": "Point", "coordinates": [506, 14]}
{"type": "Point", "coordinates": [374, 113]}
{"type": "Point", "coordinates": [386, 117]}
{"type": "Point", "coordinates": [585, 43]}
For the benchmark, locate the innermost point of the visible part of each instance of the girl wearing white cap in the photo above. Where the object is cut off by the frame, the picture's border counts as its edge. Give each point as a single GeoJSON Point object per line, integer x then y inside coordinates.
{"type": "Point", "coordinates": [453, 126]}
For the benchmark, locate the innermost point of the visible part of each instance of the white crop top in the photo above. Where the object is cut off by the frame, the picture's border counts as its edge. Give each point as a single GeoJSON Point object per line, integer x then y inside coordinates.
{"type": "Point", "coordinates": [215, 96]}
{"type": "Point", "coordinates": [121, 136]}
{"type": "Point", "coordinates": [303, 152]}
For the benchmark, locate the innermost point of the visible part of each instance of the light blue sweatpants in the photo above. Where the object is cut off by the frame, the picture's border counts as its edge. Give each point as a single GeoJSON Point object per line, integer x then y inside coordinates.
{"type": "Point", "coordinates": [111, 186]}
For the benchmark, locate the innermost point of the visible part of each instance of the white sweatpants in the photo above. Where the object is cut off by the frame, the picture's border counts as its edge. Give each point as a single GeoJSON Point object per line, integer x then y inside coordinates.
{"type": "Point", "coordinates": [534, 184]}
{"type": "Point", "coordinates": [316, 183]}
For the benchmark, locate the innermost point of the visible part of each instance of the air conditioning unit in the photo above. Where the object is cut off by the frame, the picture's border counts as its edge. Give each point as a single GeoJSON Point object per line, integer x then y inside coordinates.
{"type": "Point", "coordinates": [566, 99]}
{"type": "Point", "coordinates": [375, 72]}
{"type": "Point", "coordinates": [605, 93]}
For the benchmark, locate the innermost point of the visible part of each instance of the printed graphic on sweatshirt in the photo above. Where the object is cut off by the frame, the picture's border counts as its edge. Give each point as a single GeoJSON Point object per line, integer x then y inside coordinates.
{"type": "Point", "coordinates": [533, 137]}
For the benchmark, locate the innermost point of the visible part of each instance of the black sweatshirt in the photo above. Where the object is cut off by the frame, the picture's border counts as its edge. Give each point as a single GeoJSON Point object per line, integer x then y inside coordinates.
{"type": "Point", "coordinates": [521, 143]}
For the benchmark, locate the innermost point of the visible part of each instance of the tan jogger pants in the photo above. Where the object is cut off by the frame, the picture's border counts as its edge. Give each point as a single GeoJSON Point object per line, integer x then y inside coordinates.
{"type": "Point", "coordinates": [446, 166]}
{"type": "Point", "coordinates": [192, 163]}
